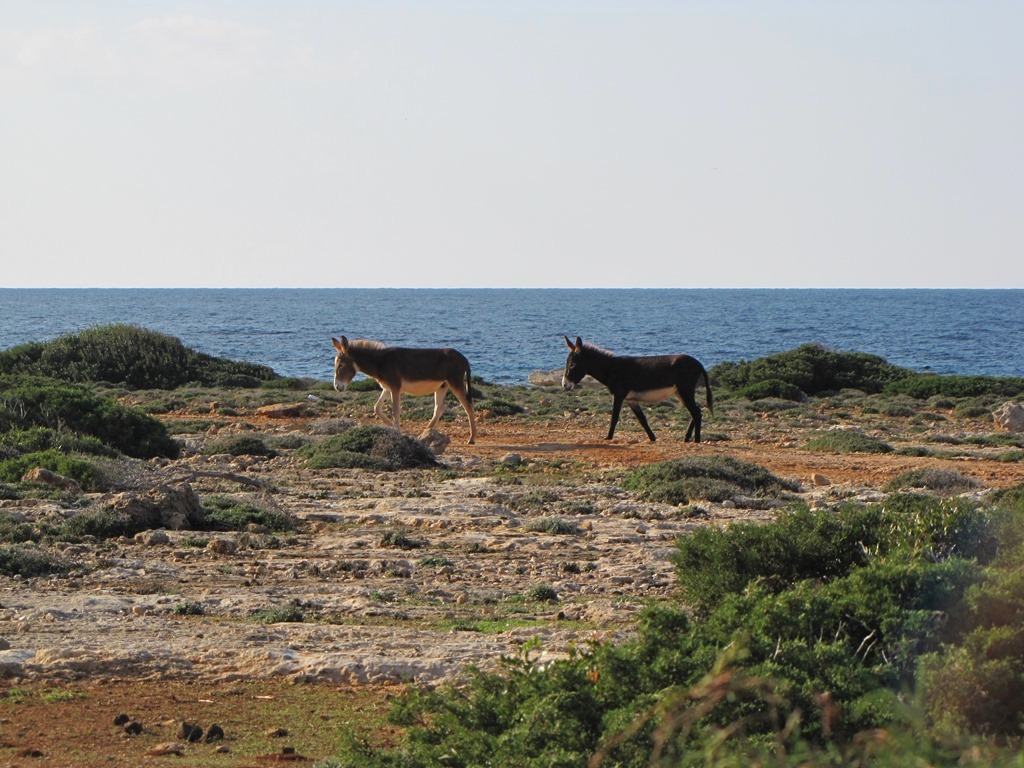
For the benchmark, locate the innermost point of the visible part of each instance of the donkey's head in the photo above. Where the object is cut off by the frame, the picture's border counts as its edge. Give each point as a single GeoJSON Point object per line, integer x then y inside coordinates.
{"type": "Point", "coordinates": [344, 365]}
{"type": "Point", "coordinates": [575, 364]}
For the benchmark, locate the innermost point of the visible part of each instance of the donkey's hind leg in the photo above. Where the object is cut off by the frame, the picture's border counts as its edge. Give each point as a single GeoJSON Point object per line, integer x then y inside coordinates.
{"type": "Point", "coordinates": [439, 396]}
{"type": "Point", "coordinates": [695, 416]}
{"type": "Point", "coordinates": [467, 405]}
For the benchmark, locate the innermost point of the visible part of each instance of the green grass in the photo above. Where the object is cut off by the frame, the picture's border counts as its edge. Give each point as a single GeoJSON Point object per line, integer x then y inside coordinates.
{"type": "Point", "coordinates": [847, 441]}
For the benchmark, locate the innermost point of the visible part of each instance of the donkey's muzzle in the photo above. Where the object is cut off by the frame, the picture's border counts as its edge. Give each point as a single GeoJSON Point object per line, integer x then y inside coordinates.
{"type": "Point", "coordinates": [340, 386]}
{"type": "Point", "coordinates": [567, 385]}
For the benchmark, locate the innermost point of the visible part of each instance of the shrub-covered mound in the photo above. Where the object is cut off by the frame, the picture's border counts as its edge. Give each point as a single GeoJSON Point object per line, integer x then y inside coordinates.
{"type": "Point", "coordinates": [369, 447]}
{"type": "Point", "coordinates": [131, 356]}
{"type": "Point", "coordinates": [709, 478]}
{"type": "Point", "coordinates": [923, 386]}
{"type": "Point", "coordinates": [812, 637]}
{"type": "Point", "coordinates": [811, 368]}
{"type": "Point", "coordinates": [847, 441]}
{"type": "Point", "coordinates": [43, 413]}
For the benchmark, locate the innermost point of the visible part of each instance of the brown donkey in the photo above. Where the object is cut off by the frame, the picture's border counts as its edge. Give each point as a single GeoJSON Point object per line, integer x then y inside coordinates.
{"type": "Point", "coordinates": [635, 380]}
{"type": "Point", "coordinates": [406, 369]}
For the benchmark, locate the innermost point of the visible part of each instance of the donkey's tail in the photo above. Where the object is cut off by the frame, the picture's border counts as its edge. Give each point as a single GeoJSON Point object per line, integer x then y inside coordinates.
{"type": "Point", "coordinates": [469, 384]}
{"type": "Point", "coordinates": [707, 388]}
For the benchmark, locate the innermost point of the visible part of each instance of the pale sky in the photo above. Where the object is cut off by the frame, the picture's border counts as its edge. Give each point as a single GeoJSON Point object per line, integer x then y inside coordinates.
{"type": "Point", "coordinates": [711, 143]}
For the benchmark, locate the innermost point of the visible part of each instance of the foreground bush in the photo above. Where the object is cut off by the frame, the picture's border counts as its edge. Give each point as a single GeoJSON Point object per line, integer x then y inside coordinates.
{"type": "Point", "coordinates": [131, 356]}
{"type": "Point", "coordinates": [805, 645]}
{"type": "Point", "coordinates": [28, 402]}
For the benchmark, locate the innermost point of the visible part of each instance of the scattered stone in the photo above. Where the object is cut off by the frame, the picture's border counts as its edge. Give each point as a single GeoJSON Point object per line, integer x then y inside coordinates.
{"type": "Point", "coordinates": [434, 440]}
{"type": "Point", "coordinates": [155, 538]}
{"type": "Point", "coordinates": [121, 719]}
{"type": "Point", "coordinates": [819, 479]}
{"type": "Point", "coordinates": [1010, 416]}
{"type": "Point", "coordinates": [282, 410]}
{"type": "Point", "coordinates": [277, 733]}
{"type": "Point", "coordinates": [512, 459]}
{"type": "Point", "coordinates": [133, 728]}
{"type": "Point", "coordinates": [222, 546]}
{"type": "Point", "coordinates": [172, 507]}
{"type": "Point", "coordinates": [214, 733]}
{"type": "Point", "coordinates": [48, 477]}
{"type": "Point", "coordinates": [168, 748]}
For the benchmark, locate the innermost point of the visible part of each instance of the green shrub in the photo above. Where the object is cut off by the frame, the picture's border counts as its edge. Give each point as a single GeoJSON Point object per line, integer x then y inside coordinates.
{"type": "Point", "coordinates": [291, 614]}
{"type": "Point", "coordinates": [240, 445]}
{"type": "Point", "coordinates": [542, 593]}
{"type": "Point", "coordinates": [712, 478]}
{"type": "Point", "coordinates": [847, 441]}
{"type": "Point", "coordinates": [229, 515]}
{"type": "Point", "coordinates": [363, 385]}
{"type": "Point", "coordinates": [107, 523]}
{"type": "Point", "coordinates": [400, 539]}
{"type": "Point", "coordinates": [80, 470]}
{"type": "Point", "coordinates": [27, 402]}
{"type": "Point", "coordinates": [369, 447]}
{"type": "Point", "coordinates": [924, 386]}
{"type": "Point", "coordinates": [934, 479]}
{"type": "Point", "coordinates": [774, 388]}
{"type": "Point", "coordinates": [132, 356]}
{"type": "Point", "coordinates": [36, 439]}
{"type": "Point", "coordinates": [499, 407]}
{"type": "Point", "coordinates": [813, 369]}
{"type": "Point", "coordinates": [28, 562]}
{"type": "Point", "coordinates": [554, 525]}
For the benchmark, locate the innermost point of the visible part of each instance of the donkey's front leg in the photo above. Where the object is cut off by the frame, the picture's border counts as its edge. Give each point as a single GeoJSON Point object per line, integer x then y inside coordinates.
{"type": "Point", "coordinates": [635, 407]}
{"type": "Point", "coordinates": [616, 410]}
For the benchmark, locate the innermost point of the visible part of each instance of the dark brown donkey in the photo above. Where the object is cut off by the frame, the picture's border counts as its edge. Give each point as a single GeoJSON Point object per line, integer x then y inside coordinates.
{"type": "Point", "coordinates": [406, 369]}
{"type": "Point", "coordinates": [635, 380]}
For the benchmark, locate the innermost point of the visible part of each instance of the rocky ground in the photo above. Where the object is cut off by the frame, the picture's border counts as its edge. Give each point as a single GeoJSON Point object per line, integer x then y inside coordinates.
{"type": "Point", "coordinates": [389, 577]}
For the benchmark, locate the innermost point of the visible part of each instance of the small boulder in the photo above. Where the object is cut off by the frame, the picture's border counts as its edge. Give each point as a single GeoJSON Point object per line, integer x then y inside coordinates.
{"type": "Point", "coordinates": [48, 477]}
{"type": "Point", "coordinates": [434, 440]}
{"type": "Point", "coordinates": [1010, 416]}
{"type": "Point", "coordinates": [282, 410]}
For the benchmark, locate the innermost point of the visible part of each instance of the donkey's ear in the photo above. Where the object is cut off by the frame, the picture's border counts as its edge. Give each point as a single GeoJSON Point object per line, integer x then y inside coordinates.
{"type": "Point", "coordinates": [342, 345]}
{"type": "Point", "coordinates": [567, 342]}
{"type": "Point", "coordinates": [579, 345]}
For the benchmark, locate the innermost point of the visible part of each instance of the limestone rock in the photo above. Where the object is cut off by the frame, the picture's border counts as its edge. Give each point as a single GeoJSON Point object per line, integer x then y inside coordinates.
{"type": "Point", "coordinates": [1010, 416]}
{"type": "Point", "coordinates": [282, 410]}
{"type": "Point", "coordinates": [434, 440]}
{"type": "Point", "coordinates": [47, 477]}
{"type": "Point", "coordinates": [172, 507]}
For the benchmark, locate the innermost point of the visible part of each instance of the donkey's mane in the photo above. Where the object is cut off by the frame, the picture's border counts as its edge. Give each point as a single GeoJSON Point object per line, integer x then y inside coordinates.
{"type": "Point", "coordinates": [367, 344]}
{"type": "Point", "coordinates": [598, 350]}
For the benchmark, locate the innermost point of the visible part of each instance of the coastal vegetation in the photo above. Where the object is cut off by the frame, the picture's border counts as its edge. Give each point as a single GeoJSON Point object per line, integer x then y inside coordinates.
{"type": "Point", "coordinates": [886, 631]}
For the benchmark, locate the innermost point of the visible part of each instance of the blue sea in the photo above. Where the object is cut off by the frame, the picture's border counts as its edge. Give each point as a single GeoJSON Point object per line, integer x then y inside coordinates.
{"type": "Point", "coordinates": [509, 333]}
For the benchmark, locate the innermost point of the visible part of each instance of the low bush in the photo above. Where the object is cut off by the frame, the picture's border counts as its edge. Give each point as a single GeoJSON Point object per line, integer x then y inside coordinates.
{"type": "Point", "coordinates": [30, 402]}
{"type": "Point", "coordinates": [847, 441]}
{"type": "Point", "coordinates": [240, 445]}
{"type": "Point", "coordinates": [774, 388]}
{"type": "Point", "coordinates": [28, 562]}
{"type": "Point", "coordinates": [231, 515]}
{"type": "Point", "coordinates": [132, 356]}
{"type": "Point", "coordinates": [933, 479]}
{"type": "Point", "coordinates": [713, 478]}
{"type": "Point", "coordinates": [924, 386]}
{"type": "Point", "coordinates": [369, 447]}
{"type": "Point", "coordinates": [812, 369]}
{"type": "Point", "coordinates": [82, 471]}
{"type": "Point", "coordinates": [499, 407]}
